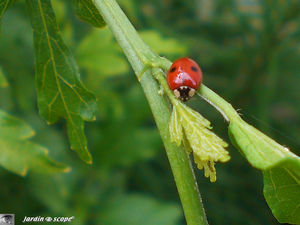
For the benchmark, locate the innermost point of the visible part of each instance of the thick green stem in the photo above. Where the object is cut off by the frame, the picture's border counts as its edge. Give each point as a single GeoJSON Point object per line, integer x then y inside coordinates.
{"type": "Point", "coordinates": [139, 55]}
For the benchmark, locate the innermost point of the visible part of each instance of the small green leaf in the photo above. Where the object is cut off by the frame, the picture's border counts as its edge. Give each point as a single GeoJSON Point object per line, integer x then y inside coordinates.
{"type": "Point", "coordinates": [3, 81]}
{"type": "Point", "coordinates": [87, 12]}
{"type": "Point", "coordinates": [60, 90]}
{"type": "Point", "coordinates": [99, 54]}
{"type": "Point", "coordinates": [281, 169]}
{"type": "Point", "coordinates": [206, 146]}
{"type": "Point", "coordinates": [261, 151]}
{"type": "Point", "coordinates": [19, 155]}
{"type": "Point", "coordinates": [282, 190]}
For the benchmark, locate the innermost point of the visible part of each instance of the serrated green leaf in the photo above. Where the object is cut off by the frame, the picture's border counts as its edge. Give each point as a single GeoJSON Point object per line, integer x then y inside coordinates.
{"type": "Point", "coordinates": [87, 12]}
{"type": "Point", "coordinates": [281, 169]}
{"type": "Point", "coordinates": [206, 146]}
{"type": "Point", "coordinates": [19, 155]}
{"type": "Point", "coordinates": [282, 190]}
{"type": "Point", "coordinates": [3, 81]}
{"type": "Point", "coordinates": [60, 90]}
{"type": "Point", "coordinates": [162, 45]}
{"type": "Point", "coordinates": [99, 54]}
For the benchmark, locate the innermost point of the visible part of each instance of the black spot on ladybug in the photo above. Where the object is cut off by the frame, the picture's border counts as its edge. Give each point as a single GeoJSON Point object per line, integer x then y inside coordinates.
{"type": "Point", "coordinates": [194, 69]}
{"type": "Point", "coordinates": [173, 69]}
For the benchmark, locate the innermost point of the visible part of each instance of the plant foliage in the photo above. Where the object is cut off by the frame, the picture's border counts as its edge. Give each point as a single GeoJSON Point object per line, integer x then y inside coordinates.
{"type": "Point", "coordinates": [19, 154]}
{"type": "Point", "coordinates": [60, 90]}
{"type": "Point", "coordinates": [281, 169]}
{"type": "Point", "coordinates": [249, 53]}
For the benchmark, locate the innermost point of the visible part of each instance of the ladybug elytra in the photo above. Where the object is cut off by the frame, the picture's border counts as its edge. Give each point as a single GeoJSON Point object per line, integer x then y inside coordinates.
{"type": "Point", "coordinates": [184, 78]}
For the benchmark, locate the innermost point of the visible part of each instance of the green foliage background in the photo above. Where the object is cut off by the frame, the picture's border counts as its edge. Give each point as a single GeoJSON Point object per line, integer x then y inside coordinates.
{"type": "Point", "coordinates": [249, 51]}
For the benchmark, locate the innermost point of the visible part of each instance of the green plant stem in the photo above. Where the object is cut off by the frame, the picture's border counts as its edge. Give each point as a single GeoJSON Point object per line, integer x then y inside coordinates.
{"type": "Point", "coordinates": [140, 56]}
{"type": "Point", "coordinates": [225, 108]}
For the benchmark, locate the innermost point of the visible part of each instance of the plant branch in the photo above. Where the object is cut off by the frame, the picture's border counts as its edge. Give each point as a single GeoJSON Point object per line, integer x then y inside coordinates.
{"type": "Point", "coordinates": [225, 108]}
{"type": "Point", "coordinates": [141, 56]}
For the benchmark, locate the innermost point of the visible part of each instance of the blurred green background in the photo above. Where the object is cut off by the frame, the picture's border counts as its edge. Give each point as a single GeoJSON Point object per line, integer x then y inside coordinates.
{"type": "Point", "coordinates": [249, 51]}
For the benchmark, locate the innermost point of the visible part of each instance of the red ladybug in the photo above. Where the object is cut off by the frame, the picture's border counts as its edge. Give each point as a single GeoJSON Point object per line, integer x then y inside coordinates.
{"type": "Point", "coordinates": [184, 78]}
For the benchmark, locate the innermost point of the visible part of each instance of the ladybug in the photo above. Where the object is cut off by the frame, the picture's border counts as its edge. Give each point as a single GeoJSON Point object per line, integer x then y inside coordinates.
{"type": "Point", "coordinates": [184, 78]}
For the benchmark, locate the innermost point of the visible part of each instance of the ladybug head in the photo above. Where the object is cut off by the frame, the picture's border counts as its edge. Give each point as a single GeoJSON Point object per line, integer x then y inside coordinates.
{"type": "Point", "coordinates": [184, 93]}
